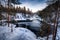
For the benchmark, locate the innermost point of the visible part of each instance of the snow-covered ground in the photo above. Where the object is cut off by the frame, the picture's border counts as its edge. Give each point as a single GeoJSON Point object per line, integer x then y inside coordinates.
{"type": "Point", "coordinates": [17, 34]}
{"type": "Point", "coordinates": [21, 34]}
{"type": "Point", "coordinates": [58, 33]}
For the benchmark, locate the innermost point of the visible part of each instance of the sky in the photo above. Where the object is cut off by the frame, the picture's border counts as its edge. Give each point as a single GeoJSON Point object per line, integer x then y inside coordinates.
{"type": "Point", "coordinates": [33, 5]}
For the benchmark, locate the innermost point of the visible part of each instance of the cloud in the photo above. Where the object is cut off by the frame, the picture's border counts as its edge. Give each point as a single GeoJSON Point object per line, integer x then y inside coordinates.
{"type": "Point", "coordinates": [34, 5]}
{"type": "Point", "coordinates": [34, 8]}
{"type": "Point", "coordinates": [33, 1]}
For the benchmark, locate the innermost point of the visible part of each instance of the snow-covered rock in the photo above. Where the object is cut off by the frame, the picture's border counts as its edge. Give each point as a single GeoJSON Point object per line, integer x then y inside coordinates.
{"type": "Point", "coordinates": [19, 16]}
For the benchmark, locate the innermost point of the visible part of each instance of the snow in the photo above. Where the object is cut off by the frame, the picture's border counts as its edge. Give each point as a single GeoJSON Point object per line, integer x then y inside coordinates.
{"type": "Point", "coordinates": [21, 33]}
{"type": "Point", "coordinates": [58, 32]}
{"type": "Point", "coordinates": [4, 3]}
{"type": "Point", "coordinates": [17, 34]}
{"type": "Point", "coordinates": [19, 16]}
{"type": "Point", "coordinates": [35, 24]}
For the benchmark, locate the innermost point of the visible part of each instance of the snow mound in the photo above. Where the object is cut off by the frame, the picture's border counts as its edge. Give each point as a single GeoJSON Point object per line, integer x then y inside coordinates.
{"type": "Point", "coordinates": [17, 34]}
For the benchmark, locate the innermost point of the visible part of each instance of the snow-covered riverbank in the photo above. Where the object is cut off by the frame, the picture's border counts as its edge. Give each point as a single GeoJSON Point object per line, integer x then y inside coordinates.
{"type": "Point", "coordinates": [21, 34]}
{"type": "Point", "coordinates": [17, 34]}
